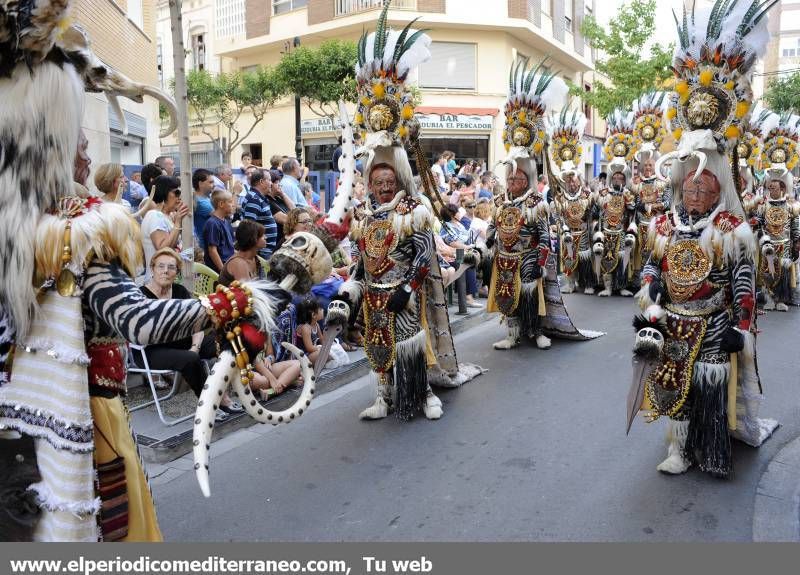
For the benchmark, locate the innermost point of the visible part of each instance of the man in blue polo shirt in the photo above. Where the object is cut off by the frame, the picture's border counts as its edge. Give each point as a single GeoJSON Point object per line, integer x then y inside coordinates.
{"type": "Point", "coordinates": [257, 208]}
{"type": "Point", "coordinates": [203, 184]}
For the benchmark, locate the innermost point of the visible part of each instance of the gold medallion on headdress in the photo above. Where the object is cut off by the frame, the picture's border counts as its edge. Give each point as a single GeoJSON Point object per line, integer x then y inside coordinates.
{"type": "Point", "coordinates": [781, 143]}
{"type": "Point", "coordinates": [648, 125]}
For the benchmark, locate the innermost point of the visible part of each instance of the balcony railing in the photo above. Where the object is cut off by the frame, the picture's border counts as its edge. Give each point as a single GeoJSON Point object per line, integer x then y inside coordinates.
{"type": "Point", "coordinates": [348, 7]}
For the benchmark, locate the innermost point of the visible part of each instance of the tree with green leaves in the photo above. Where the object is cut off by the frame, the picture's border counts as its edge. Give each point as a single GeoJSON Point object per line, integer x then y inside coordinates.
{"type": "Point", "coordinates": [783, 94]}
{"type": "Point", "coordinates": [237, 100]}
{"type": "Point", "coordinates": [620, 57]}
{"type": "Point", "coordinates": [320, 75]}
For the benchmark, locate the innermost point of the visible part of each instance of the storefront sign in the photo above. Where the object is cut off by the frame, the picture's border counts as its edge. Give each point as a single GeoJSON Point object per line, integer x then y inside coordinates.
{"type": "Point", "coordinates": [450, 122]}
{"type": "Point", "coordinates": [316, 126]}
{"type": "Point", "coordinates": [454, 122]}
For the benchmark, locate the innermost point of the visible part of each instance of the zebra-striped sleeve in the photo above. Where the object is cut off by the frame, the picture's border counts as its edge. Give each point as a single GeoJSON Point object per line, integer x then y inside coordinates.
{"type": "Point", "coordinates": [424, 250]}
{"type": "Point", "coordinates": [121, 306]}
{"type": "Point", "coordinates": [743, 285]}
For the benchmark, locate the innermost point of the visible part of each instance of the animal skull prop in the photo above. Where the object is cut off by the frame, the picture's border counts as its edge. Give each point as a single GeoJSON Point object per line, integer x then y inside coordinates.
{"type": "Point", "coordinates": [301, 262]}
{"type": "Point", "coordinates": [649, 342]}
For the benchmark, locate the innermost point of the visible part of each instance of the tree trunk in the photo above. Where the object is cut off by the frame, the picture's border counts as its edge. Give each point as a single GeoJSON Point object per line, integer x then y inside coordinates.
{"type": "Point", "coordinates": [182, 101]}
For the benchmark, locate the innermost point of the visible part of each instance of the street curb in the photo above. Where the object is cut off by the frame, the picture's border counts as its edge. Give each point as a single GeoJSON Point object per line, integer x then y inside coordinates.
{"type": "Point", "coordinates": [776, 513]}
{"type": "Point", "coordinates": [169, 449]}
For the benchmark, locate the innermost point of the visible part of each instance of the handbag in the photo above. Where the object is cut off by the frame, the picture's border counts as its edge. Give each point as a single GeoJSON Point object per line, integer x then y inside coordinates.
{"type": "Point", "coordinates": [112, 487]}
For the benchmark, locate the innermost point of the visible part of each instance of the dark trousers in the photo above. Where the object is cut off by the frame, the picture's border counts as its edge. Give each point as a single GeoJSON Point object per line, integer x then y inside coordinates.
{"type": "Point", "coordinates": [472, 281]}
{"type": "Point", "coordinates": [187, 362]}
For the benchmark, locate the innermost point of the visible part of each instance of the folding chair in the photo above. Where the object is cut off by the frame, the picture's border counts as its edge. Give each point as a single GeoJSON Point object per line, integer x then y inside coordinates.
{"type": "Point", "coordinates": [204, 278]}
{"type": "Point", "coordinates": [149, 373]}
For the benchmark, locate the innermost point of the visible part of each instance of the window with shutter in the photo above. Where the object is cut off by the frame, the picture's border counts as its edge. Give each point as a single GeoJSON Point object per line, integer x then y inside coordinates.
{"type": "Point", "coordinates": [452, 66]}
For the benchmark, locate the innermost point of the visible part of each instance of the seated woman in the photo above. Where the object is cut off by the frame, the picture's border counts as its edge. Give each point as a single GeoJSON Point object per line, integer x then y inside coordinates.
{"type": "Point", "coordinates": [244, 264]}
{"type": "Point", "coordinates": [185, 355]}
{"type": "Point", "coordinates": [457, 236]}
{"type": "Point", "coordinates": [271, 377]}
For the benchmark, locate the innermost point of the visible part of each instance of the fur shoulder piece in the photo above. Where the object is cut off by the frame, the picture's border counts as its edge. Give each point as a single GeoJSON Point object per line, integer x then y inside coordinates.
{"type": "Point", "coordinates": [659, 234]}
{"type": "Point", "coordinates": [730, 238]}
{"type": "Point", "coordinates": [411, 216]}
{"type": "Point", "coordinates": [534, 209]}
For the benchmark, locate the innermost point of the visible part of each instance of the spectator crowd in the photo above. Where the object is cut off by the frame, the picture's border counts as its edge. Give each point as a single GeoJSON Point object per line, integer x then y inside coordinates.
{"type": "Point", "coordinates": [240, 220]}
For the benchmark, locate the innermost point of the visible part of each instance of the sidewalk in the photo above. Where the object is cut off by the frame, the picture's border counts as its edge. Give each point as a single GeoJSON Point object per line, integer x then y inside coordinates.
{"type": "Point", "coordinates": [160, 444]}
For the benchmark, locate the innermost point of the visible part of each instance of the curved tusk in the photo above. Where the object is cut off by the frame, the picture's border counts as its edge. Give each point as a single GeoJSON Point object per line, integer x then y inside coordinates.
{"type": "Point", "coordinates": [169, 103]}
{"type": "Point", "coordinates": [701, 163]}
{"type": "Point", "coordinates": [660, 162]}
{"type": "Point", "coordinates": [393, 204]}
{"type": "Point", "coordinates": [264, 415]}
{"type": "Point", "coordinates": [224, 370]}
{"type": "Point", "coordinates": [114, 103]}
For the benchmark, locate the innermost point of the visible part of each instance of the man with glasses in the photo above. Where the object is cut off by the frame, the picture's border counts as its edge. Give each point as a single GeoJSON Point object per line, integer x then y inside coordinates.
{"type": "Point", "coordinates": [395, 246]}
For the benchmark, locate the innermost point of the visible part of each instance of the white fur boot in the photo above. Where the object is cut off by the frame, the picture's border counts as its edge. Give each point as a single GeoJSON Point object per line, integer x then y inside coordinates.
{"type": "Point", "coordinates": [589, 291]}
{"type": "Point", "coordinates": [780, 306]}
{"type": "Point", "coordinates": [567, 284]}
{"type": "Point", "coordinates": [433, 406]}
{"type": "Point", "coordinates": [607, 283]}
{"type": "Point", "coordinates": [676, 461]}
{"type": "Point", "coordinates": [770, 303]}
{"type": "Point", "coordinates": [512, 339]}
{"type": "Point", "coordinates": [625, 293]}
{"type": "Point", "coordinates": [543, 342]}
{"type": "Point", "coordinates": [382, 405]}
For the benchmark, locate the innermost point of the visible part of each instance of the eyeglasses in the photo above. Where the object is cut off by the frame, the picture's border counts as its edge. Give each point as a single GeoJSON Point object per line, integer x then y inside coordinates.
{"type": "Point", "coordinates": [470, 206]}
{"type": "Point", "coordinates": [167, 267]}
{"type": "Point", "coordinates": [517, 179]}
{"type": "Point", "coordinates": [696, 193]}
{"type": "Point", "coordinates": [303, 221]}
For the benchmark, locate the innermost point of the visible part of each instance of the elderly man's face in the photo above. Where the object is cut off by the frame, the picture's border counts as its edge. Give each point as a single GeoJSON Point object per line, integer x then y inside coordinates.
{"type": "Point", "coordinates": [169, 166]}
{"type": "Point", "coordinates": [383, 184]}
{"type": "Point", "coordinates": [775, 190]}
{"type": "Point", "coordinates": [573, 183]}
{"type": "Point", "coordinates": [618, 180]}
{"type": "Point", "coordinates": [700, 197]}
{"type": "Point", "coordinates": [517, 183]}
{"type": "Point", "coordinates": [648, 168]}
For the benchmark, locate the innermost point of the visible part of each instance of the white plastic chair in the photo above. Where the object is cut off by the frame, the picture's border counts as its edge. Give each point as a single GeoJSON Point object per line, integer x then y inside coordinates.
{"type": "Point", "coordinates": [149, 373]}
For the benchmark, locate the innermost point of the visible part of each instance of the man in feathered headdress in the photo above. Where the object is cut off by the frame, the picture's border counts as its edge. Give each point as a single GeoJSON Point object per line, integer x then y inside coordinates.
{"type": "Point", "coordinates": [652, 194]}
{"type": "Point", "coordinates": [614, 239]}
{"type": "Point", "coordinates": [524, 286]}
{"type": "Point", "coordinates": [395, 238]}
{"type": "Point", "coordinates": [571, 205]}
{"type": "Point", "coordinates": [777, 214]}
{"type": "Point", "coordinates": [698, 292]}
{"type": "Point", "coordinates": [748, 152]}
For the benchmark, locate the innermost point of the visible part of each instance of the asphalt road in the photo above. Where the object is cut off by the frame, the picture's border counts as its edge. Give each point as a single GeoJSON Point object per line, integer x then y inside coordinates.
{"type": "Point", "coordinates": [533, 450]}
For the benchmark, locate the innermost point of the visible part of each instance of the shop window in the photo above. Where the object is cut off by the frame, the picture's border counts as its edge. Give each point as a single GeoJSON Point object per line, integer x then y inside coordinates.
{"type": "Point", "coordinates": [546, 8]}
{"type": "Point", "coordinates": [452, 66]}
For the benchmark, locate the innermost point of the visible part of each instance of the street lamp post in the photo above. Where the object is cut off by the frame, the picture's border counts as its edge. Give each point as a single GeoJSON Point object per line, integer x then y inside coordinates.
{"type": "Point", "coordinates": [298, 140]}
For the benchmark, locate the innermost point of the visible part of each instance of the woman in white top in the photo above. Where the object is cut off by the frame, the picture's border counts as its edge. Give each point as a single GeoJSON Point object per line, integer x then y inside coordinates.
{"type": "Point", "coordinates": [161, 227]}
{"type": "Point", "coordinates": [480, 222]}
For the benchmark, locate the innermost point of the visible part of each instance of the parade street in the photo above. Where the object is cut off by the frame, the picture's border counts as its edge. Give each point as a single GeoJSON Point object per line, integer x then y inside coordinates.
{"type": "Point", "coordinates": [533, 450]}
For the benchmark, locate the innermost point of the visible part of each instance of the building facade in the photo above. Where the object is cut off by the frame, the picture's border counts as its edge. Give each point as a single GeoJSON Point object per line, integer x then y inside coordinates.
{"type": "Point", "coordinates": [123, 34]}
{"type": "Point", "coordinates": [463, 87]}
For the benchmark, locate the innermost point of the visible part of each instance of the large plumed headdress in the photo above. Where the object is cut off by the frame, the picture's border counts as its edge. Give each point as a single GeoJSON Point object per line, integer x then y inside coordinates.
{"type": "Point", "coordinates": [619, 147]}
{"type": "Point", "coordinates": [648, 124]}
{"type": "Point", "coordinates": [385, 111]}
{"type": "Point", "coordinates": [780, 152]}
{"type": "Point", "coordinates": [566, 131]}
{"type": "Point", "coordinates": [532, 93]}
{"type": "Point", "coordinates": [754, 129]}
{"type": "Point", "coordinates": [45, 67]}
{"type": "Point", "coordinates": [713, 64]}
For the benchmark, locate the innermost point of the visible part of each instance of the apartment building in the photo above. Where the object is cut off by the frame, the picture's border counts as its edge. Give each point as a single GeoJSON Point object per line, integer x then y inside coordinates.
{"type": "Point", "coordinates": [122, 33]}
{"type": "Point", "coordinates": [463, 86]}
